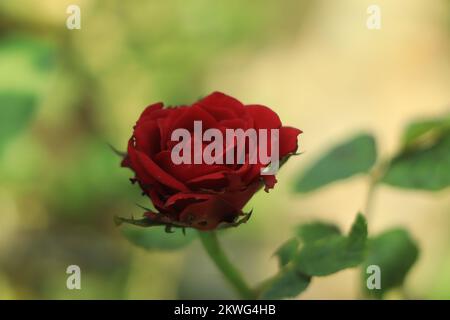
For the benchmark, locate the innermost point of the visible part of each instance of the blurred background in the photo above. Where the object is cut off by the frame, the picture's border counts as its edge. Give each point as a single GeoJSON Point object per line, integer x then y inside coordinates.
{"type": "Point", "coordinates": [314, 62]}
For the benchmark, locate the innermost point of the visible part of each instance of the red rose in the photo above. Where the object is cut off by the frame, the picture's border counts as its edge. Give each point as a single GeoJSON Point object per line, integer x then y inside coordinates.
{"type": "Point", "coordinates": [201, 196]}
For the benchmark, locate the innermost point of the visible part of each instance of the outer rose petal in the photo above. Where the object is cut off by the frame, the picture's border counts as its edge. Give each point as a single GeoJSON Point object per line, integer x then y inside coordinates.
{"type": "Point", "coordinates": [151, 111]}
{"type": "Point", "coordinates": [263, 117]}
{"type": "Point", "coordinates": [185, 196]}
{"type": "Point", "coordinates": [147, 137]}
{"type": "Point", "coordinates": [288, 140]}
{"type": "Point", "coordinates": [133, 163]}
{"type": "Point", "coordinates": [240, 198]}
{"type": "Point", "coordinates": [156, 199]}
{"type": "Point", "coordinates": [269, 181]}
{"type": "Point", "coordinates": [221, 100]}
{"type": "Point", "coordinates": [208, 214]}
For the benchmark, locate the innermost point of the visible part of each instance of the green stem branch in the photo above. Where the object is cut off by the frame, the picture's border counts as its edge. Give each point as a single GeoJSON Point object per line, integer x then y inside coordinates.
{"type": "Point", "coordinates": [375, 177]}
{"type": "Point", "coordinates": [216, 253]}
{"type": "Point", "coordinates": [370, 199]}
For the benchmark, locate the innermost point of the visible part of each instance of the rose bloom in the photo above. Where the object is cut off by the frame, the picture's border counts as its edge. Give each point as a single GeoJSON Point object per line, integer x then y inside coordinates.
{"type": "Point", "coordinates": [201, 196]}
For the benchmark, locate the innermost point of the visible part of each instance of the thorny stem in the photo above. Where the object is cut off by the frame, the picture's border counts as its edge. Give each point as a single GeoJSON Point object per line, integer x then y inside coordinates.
{"type": "Point", "coordinates": [216, 253]}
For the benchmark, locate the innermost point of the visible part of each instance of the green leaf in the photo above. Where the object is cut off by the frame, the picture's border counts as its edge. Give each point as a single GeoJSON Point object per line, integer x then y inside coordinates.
{"type": "Point", "coordinates": [395, 253]}
{"type": "Point", "coordinates": [352, 157]}
{"type": "Point", "coordinates": [156, 238]}
{"type": "Point", "coordinates": [287, 252]}
{"type": "Point", "coordinates": [424, 161]}
{"type": "Point", "coordinates": [323, 250]}
{"type": "Point", "coordinates": [423, 168]}
{"type": "Point", "coordinates": [420, 131]}
{"type": "Point", "coordinates": [358, 233]}
{"type": "Point", "coordinates": [307, 233]}
{"type": "Point", "coordinates": [287, 284]}
{"type": "Point", "coordinates": [311, 232]}
{"type": "Point", "coordinates": [332, 254]}
{"type": "Point", "coordinates": [16, 110]}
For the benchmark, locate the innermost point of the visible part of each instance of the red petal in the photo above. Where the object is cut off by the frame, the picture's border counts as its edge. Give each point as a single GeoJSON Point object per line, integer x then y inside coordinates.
{"type": "Point", "coordinates": [221, 100]}
{"type": "Point", "coordinates": [208, 214]}
{"type": "Point", "coordinates": [263, 117]}
{"type": "Point", "coordinates": [150, 111]}
{"type": "Point", "coordinates": [184, 172]}
{"type": "Point", "coordinates": [219, 113]}
{"type": "Point", "coordinates": [195, 113]}
{"type": "Point", "coordinates": [147, 170]}
{"type": "Point", "coordinates": [269, 181]}
{"type": "Point", "coordinates": [147, 137]}
{"type": "Point", "coordinates": [186, 196]}
{"type": "Point", "coordinates": [288, 140]}
{"type": "Point", "coordinates": [239, 199]}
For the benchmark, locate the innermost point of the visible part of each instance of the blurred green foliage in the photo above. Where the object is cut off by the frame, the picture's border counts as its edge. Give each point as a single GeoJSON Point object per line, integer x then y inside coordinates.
{"type": "Point", "coordinates": [330, 252]}
{"type": "Point", "coordinates": [394, 252]}
{"type": "Point", "coordinates": [16, 111]}
{"type": "Point", "coordinates": [318, 249]}
{"type": "Point", "coordinates": [286, 284]}
{"type": "Point", "coordinates": [25, 65]}
{"type": "Point", "coordinates": [422, 162]}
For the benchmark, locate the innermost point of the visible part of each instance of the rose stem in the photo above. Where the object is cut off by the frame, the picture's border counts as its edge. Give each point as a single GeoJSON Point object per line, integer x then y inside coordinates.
{"type": "Point", "coordinates": [216, 253]}
{"type": "Point", "coordinates": [374, 180]}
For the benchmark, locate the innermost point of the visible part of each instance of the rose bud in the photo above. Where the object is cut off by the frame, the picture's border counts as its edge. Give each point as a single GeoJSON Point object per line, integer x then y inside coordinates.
{"type": "Point", "coordinates": [201, 164]}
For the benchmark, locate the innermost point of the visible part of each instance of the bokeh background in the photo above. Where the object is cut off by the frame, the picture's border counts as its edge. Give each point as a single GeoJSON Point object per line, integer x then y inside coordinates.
{"type": "Point", "coordinates": [314, 62]}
